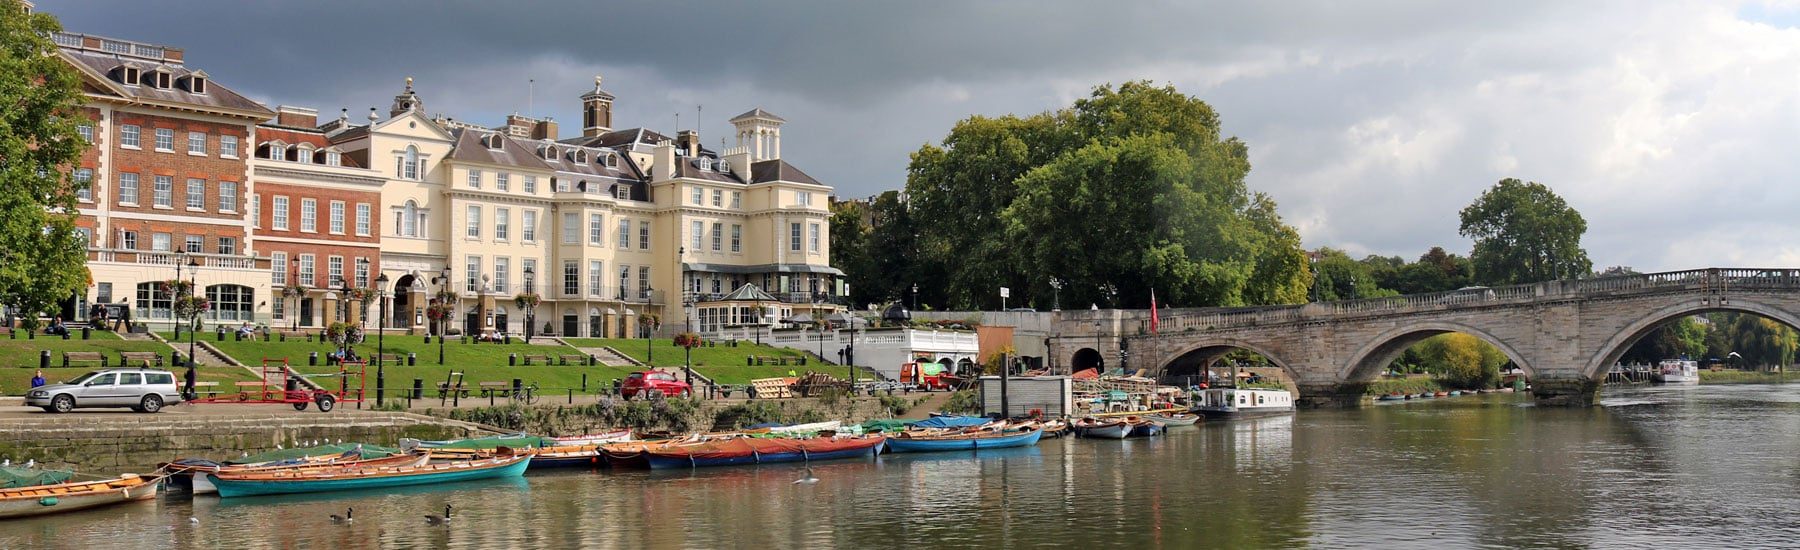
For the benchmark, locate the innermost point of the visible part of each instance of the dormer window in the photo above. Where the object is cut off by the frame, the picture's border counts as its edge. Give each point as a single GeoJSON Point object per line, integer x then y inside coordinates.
{"type": "Point", "coordinates": [548, 152]}
{"type": "Point", "coordinates": [705, 164]}
{"type": "Point", "coordinates": [612, 160]}
{"type": "Point", "coordinates": [334, 158]}
{"type": "Point", "coordinates": [621, 192]}
{"type": "Point", "coordinates": [197, 84]}
{"type": "Point", "coordinates": [129, 76]}
{"type": "Point", "coordinates": [303, 154]}
{"type": "Point", "coordinates": [724, 165]}
{"type": "Point", "coordinates": [156, 79]}
{"type": "Point", "coordinates": [493, 141]}
{"type": "Point", "coordinates": [580, 156]}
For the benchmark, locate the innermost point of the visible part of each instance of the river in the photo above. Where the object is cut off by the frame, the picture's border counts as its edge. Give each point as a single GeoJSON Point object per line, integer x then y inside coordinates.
{"type": "Point", "coordinates": [1684, 467]}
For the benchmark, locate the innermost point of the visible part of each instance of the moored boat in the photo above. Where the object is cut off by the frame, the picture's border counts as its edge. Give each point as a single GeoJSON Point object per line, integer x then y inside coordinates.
{"type": "Point", "coordinates": [313, 480]}
{"type": "Point", "coordinates": [614, 436]}
{"type": "Point", "coordinates": [40, 500]}
{"type": "Point", "coordinates": [1173, 419]}
{"type": "Point", "coordinates": [746, 450]}
{"type": "Point", "coordinates": [1677, 371]}
{"type": "Point", "coordinates": [1228, 403]}
{"type": "Point", "coordinates": [919, 442]}
{"type": "Point", "coordinates": [1103, 428]}
{"type": "Point", "coordinates": [1391, 397]}
{"type": "Point", "coordinates": [191, 473]}
{"type": "Point", "coordinates": [567, 456]}
{"type": "Point", "coordinates": [1144, 428]}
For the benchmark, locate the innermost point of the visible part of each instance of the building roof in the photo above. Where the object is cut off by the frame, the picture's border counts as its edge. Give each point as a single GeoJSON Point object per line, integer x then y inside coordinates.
{"type": "Point", "coordinates": [778, 170]}
{"type": "Point", "coordinates": [756, 114]}
{"type": "Point", "coordinates": [470, 147]}
{"type": "Point", "coordinates": [689, 167]}
{"type": "Point", "coordinates": [90, 55]}
{"type": "Point", "coordinates": [748, 293]}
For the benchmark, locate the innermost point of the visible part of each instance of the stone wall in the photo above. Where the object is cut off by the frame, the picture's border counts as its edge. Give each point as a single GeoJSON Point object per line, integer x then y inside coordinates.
{"type": "Point", "coordinates": [111, 445]}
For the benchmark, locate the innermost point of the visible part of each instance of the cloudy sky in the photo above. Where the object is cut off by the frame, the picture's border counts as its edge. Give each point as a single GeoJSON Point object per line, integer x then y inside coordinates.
{"type": "Point", "coordinates": [1671, 125]}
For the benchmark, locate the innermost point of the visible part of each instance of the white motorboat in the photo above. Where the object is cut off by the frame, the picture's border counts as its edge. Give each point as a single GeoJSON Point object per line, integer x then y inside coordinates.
{"type": "Point", "coordinates": [1677, 371]}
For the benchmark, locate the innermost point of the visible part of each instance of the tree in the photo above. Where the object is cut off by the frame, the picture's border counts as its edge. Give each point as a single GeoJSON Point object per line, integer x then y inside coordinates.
{"type": "Point", "coordinates": [42, 255]}
{"type": "Point", "coordinates": [1461, 360]}
{"type": "Point", "coordinates": [1524, 233]}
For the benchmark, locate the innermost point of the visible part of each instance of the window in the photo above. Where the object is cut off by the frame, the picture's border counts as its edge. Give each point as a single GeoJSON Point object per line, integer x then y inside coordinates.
{"type": "Point", "coordinates": [571, 278]}
{"type": "Point", "coordinates": [256, 210]}
{"type": "Point", "coordinates": [334, 269]}
{"type": "Point", "coordinates": [812, 234]}
{"type": "Point", "coordinates": [698, 194]}
{"type": "Point", "coordinates": [128, 136]}
{"type": "Point", "coordinates": [737, 238]}
{"type": "Point", "coordinates": [278, 268]}
{"type": "Point", "coordinates": [228, 146]}
{"type": "Point", "coordinates": [334, 158]}
{"type": "Point", "coordinates": [596, 229]}
{"type": "Point", "coordinates": [502, 264]}
{"type": "Point", "coordinates": [196, 143]}
{"type": "Point", "coordinates": [624, 233]}
{"type": "Point", "coordinates": [472, 273]}
{"type": "Point", "coordinates": [621, 192]}
{"type": "Point", "coordinates": [472, 219]}
{"type": "Point", "coordinates": [794, 237]}
{"type": "Point", "coordinates": [364, 213]}
{"type": "Point", "coordinates": [303, 155]}
{"type": "Point", "coordinates": [624, 282]}
{"type": "Point", "coordinates": [86, 131]}
{"type": "Point", "coordinates": [562, 185]}
{"type": "Point", "coordinates": [644, 280]}
{"type": "Point", "coordinates": [128, 240]}
{"type": "Point", "coordinates": [228, 197]}
{"type": "Point", "coordinates": [159, 242]}
{"type": "Point", "coordinates": [196, 194]}
{"type": "Point", "coordinates": [410, 219]}
{"type": "Point", "coordinates": [530, 185]}
{"type": "Point", "coordinates": [193, 244]}
{"type": "Point", "coordinates": [803, 198]}
{"type": "Point", "coordinates": [337, 217]}
{"type": "Point", "coordinates": [644, 235]}
{"type": "Point", "coordinates": [84, 184]}
{"type": "Point", "coordinates": [163, 191]}
{"type": "Point", "coordinates": [596, 277]}
{"type": "Point", "coordinates": [305, 273]}
{"type": "Point", "coordinates": [362, 272]}
{"type": "Point", "coordinates": [280, 213]}
{"type": "Point", "coordinates": [718, 198]}
{"type": "Point", "coordinates": [530, 275]}
{"type": "Point", "coordinates": [197, 84]}
{"type": "Point", "coordinates": [474, 179]}
{"type": "Point", "coordinates": [278, 309]}
{"type": "Point", "coordinates": [718, 236]}
{"type": "Point", "coordinates": [165, 140]}
{"type": "Point", "coordinates": [128, 189]}
{"type": "Point", "coordinates": [230, 303]}
{"type": "Point", "coordinates": [705, 164]}
{"type": "Point", "coordinates": [228, 246]}
{"type": "Point", "coordinates": [502, 181]}
{"type": "Point", "coordinates": [309, 215]}
{"type": "Point", "coordinates": [501, 217]}
{"type": "Point", "coordinates": [409, 163]}
{"type": "Point", "coordinates": [152, 303]}
{"type": "Point", "coordinates": [571, 228]}
{"type": "Point", "coordinates": [696, 234]}
{"type": "Point", "coordinates": [529, 221]}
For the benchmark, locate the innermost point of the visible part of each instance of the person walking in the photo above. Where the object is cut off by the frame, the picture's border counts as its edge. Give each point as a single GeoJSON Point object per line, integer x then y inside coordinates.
{"type": "Point", "coordinates": [188, 393]}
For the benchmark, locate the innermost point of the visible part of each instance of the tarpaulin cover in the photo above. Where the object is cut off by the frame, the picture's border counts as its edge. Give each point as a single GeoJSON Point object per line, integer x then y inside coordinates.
{"type": "Point", "coordinates": [26, 477]}
{"type": "Point", "coordinates": [951, 422]}
{"type": "Point", "coordinates": [368, 451]}
{"type": "Point", "coordinates": [884, 425]}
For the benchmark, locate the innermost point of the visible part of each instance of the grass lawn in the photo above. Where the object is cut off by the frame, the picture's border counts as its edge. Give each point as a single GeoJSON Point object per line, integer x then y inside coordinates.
{"type": "Point", "coordinates": [24, 353]}
{"type": "Point", "coordinates": [455, 353]}
{"type": "Point", "coordinates": [15, 381]}
{"type": "Point", "coordinates": [551, 380]}
{"type": "Point", "coordinates": [667, 355]}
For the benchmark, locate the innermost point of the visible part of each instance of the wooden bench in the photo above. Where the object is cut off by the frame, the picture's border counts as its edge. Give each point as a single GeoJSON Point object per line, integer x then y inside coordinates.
{"type": "Point", "coordinates": [286, 334]}
{"type": "Point", "coordinates": [389, 359]}
{"type": "Point", "coordinates": [544, 358]}
{"type": "Point", "coordinates": [573, 359]}
{"type": "Point", "coordinates": [495, 389]}
{"type": "Point", "coordinates": [208, 388]}
{"type": "Point", "coordinates": [70, 357]}
{"type": "Point", "coordinates": [444, 390]}
{"type": "Point", "coordinates": [145, 358]}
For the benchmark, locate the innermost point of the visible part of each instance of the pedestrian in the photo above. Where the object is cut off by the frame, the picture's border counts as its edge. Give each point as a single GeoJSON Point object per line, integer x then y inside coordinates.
{"type": "Point", "coordinates": [38, 379]}
{"type": "Point", "coordinates": [188, 393]}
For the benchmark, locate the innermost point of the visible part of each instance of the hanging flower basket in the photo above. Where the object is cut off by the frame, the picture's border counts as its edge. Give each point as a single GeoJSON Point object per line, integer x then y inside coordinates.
{"type": "Point", "coordinates": [688, 340]}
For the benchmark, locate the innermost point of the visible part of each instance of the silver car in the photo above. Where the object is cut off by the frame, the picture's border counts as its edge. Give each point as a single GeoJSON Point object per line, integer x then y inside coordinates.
{"type": "Point", "coordinates": [144, 390]}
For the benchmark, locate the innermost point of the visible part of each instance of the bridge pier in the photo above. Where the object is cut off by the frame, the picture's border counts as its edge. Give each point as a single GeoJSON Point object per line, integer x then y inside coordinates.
{"type": "Point", "coordinates": [1330, 395]}
{"type": "Point", "coordinates": [1565, 392]}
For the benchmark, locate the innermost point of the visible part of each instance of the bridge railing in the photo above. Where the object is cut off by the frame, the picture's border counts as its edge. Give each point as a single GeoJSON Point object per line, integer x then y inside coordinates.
{"type": "Point", "coordinates": [1713, 280]}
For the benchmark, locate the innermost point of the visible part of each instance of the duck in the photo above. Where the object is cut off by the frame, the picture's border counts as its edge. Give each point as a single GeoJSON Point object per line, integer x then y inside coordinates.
{"type": "Point", "coordinates": [349, 516]}
{"type": "Point", "coordinates": [436, 520]}
{"type": "Point", "coordinates": [808, 478]}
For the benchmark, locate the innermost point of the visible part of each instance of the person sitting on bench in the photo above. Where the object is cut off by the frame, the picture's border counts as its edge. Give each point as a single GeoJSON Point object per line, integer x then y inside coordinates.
{"type": "Point", "coordinates": [56, 327]}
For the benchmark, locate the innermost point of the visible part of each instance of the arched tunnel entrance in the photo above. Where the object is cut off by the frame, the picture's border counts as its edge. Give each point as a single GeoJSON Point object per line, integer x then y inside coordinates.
{"type": "Point", "coordinates": [1087, 359]}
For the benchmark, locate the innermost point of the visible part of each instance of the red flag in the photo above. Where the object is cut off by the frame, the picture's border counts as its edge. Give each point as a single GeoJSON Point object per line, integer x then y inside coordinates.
{"type": "Point", "coordinates": [1153, 320]}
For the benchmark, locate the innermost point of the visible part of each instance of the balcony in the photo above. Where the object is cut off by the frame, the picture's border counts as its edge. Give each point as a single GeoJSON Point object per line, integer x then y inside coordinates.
{"type": "Point", "coordinates": [169, 259]}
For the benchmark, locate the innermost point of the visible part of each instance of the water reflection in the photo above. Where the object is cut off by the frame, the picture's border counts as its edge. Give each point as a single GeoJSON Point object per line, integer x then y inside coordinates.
{"type": "Point", "coordinates": [1696, 466]}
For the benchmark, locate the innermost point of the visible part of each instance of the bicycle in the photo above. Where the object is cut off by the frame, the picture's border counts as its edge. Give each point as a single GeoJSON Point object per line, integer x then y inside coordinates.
{"type": "Point", "coordinates": [528, 394]}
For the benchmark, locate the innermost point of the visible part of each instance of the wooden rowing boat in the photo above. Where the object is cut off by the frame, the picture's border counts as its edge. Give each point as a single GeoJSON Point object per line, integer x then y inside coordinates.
{"type": "Point", "coordinates": [1103, 428]}
{"type": "Point", "coordinates": [753, 450]}
{"type": "Point", "coordinates": [64, 497]}
{"type": "Point", "coordinates": [919, 442]}
{"type": "Point", "coordinates": [200, 484]}
{"type": "Point", "coordinates": [1175, 419]}
{"type": "Point", "coordinates": [614, 436]}
{"type": "Point", "coordinates": [312, 480]}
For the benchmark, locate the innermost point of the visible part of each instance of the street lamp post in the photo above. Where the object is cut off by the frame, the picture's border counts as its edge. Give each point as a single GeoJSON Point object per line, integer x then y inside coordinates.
{"type": "Point", "coordinates": [915, 290]}
{"type": "Point", "coordinates": [530, 312]}
{"type": "Point", "coordinates": [444, 324]}
{"type": "Point", "coordinates": [649, 332]}
{"type": "Point", "coordinates": [687, 306]}
{"type": "Point", "coordinates": [180, 262]}
{"type": "Point", "coordinates": [381, 283]}
{"type": "Point", "coordinates": [344, 317]}
{"type": "Point", "coordinates": [1056, 296]}
{"type": "Point", "coordinates": [193, 284]}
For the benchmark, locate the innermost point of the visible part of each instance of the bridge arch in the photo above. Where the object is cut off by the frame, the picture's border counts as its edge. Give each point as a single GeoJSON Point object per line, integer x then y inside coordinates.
{"type": "Point", "coordinates": [1616, 346]}
{"type": "Point", "coordinates": [1373, 357]}
{"type": "Point", "coordinates": [1204, 353]}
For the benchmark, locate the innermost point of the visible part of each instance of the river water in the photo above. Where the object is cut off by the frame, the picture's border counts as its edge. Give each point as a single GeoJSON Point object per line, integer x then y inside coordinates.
{"type": "Point", "coordinates": [1681, 467]}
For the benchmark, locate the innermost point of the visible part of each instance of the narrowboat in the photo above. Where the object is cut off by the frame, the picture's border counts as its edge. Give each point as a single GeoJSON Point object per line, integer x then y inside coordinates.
{"type": "Point", "coordinates": [1229, 403]}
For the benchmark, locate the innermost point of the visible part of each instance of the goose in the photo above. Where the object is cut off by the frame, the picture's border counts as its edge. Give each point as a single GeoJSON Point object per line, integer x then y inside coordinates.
{"type": "Point", "coordinates": [349, 516]}
{"type": "Point", "coordinates": [435, 520]}
{"type": "Point", "coordinates": [808, 478]}
{"type": "Point", "coordinates": [193, 520]}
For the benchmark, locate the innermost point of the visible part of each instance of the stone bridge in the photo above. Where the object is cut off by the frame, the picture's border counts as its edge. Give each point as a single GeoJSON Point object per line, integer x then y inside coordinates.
{"type": "Point", "coordinates": [1563, 334]}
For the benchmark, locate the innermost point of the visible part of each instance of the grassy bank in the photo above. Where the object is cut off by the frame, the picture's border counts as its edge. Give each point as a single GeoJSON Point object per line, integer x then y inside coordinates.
{"type": "Point", "coordinates": [456, 353]}
{"type": "Point", "coordinates": [1746, 377]}
{"type": "Point", "coordinates": [23, 352]}
{"type": "Point", "coordinates": [668, 355]}
{"type": "Point", "coordinates": [16, 381]}
{"type": "Point", "coordinates": [550, 380]}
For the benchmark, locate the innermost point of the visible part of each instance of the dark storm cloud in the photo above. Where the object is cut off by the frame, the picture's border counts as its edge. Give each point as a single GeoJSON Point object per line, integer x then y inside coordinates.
{"type": "Point", "coordinates": [1370, 122]}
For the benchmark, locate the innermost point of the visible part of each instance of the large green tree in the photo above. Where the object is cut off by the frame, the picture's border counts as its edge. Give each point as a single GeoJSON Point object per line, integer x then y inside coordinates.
{"type": "Point", "coordinates": [1524, 233]}
{"type": "Point", "coordinates": [42, 256]}
{"type": "Point", "coordinates": [1128, 190]}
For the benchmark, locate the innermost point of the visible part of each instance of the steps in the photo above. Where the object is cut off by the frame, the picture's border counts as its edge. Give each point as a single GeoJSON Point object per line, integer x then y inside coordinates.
{"type": "Point", "coordinates": [612, 357]}
{"type": "Point", "coordinates": [934, 402]}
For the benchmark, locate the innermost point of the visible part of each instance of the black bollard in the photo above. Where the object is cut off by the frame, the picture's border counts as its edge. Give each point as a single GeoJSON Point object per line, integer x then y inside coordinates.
{"type": "Point", "coordinates": [584, 382]}
{"type": "Point", "coordinates": [428, 338]}
{"type": "Point", "coordinates": [512, 359]}
{"type": "Point", "coordinates": [65, 334]}
{"type": "Point", "coordinates": [312, 359]}
{"type": "Point", "coordinates": [175, 358]}
{"type": "Point", "coordinates": [44, 359]}
{"type": "Point", "coordinates": [517, 386]}
{"type": "Point", "coordinates": [412, 359]}
{"type": "Point", "coordinates": [220, 331]}
{"type": "Point", "coordinates": [84, 332]}
{"type": "Point", "coordinates": [418, 391]}
{"type": "Point", "coordinates": [284, 337]}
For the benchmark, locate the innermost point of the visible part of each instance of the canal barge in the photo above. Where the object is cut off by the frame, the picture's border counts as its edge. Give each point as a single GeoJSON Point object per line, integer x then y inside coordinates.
{"type": "Point", "coordinates": [1232, 403]}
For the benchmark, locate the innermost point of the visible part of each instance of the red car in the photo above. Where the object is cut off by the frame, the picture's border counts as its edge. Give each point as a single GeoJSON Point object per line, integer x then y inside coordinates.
{"type": "Point", "coordinates": [654, 384]}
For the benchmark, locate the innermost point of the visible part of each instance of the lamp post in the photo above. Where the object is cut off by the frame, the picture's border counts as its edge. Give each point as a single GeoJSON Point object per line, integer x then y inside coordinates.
{"type": "Point", "coordinates": [381, 283]}
{"type": "Point", "coordinates": [193, 284]}
{"type": "Point", "coordinates": [530, 312]}
{"type": "Point", "coordinates": [687, 306]}
{"type": "Point", "coordinates": [449, 312]}
{"type": "Point", "coordinates": [915, 296]}
{"type": "Point", "coordinates": [649, 332]}
{"type": "Point", "coordinates": [343, 317]}
{"type": "Point", "coordinates": [180, 262]}
{"type": "Point", "coordinates": [1056, 300]}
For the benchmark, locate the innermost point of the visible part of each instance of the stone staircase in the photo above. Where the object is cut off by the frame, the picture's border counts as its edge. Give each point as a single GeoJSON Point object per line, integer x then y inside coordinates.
{"type": "Point", "coordinates": [608, 356]}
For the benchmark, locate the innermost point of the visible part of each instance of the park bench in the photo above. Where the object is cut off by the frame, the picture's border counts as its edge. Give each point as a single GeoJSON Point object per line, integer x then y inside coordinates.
{"type": "Point", "coordinates": [495, 389]}
{"type": "Point", "coordinates": [145, 358]}
{"type": "Point", "coordinates": [543, 358]}
{"type": "Point", "coordinates": [444, 390]}
{"type": "Point", "coordinates": [206, 389]}
{"type": "Point", "coordinates": [389, 359]}
{"type": "Point", "coordinates": [572, 358]}
{"type": "Point", "coordinates": [71, 357]}
{"type": "Point", "coordinates": [302, 335]}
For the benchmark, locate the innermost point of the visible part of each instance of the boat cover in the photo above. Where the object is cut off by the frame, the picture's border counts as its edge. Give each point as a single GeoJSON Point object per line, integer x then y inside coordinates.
{"type": "Point", "coordinates": [884, 425]}
{"type": "Point", "coordinates": [951, 422]}
{"type": "Point", "coordinates": [368, 451]}
{"type": "Point", "coordinates": [11, 478]}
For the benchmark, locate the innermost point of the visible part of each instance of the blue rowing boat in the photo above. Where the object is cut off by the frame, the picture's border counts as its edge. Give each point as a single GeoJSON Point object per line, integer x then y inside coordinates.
{"type": "Point", "coordinates": [913, 443]}
{"type": "Point", "coordinates": [350, 478]}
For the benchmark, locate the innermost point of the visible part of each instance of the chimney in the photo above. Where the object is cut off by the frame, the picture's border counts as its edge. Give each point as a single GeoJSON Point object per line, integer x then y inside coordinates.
{"type": "Point", "coordinates": [689, 141]}
{"type": "Point", "coordinates": [739, 159]}
{"type": "Point", "coordinates": [296, 117]}
{"type": "Point", "coordinates": [662, 162]}
{"type": "Point", "coordinates": [545, 129]}
{"type": "Point", "coordinates": [519, 126]}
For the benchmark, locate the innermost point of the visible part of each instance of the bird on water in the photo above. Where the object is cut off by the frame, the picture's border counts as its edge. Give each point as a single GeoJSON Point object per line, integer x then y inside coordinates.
{"type": "Point", "coordinates": [808, 478]}
{"type": "Point", "coordinates": [349, 516]}
{"type": "Point", "coordinates": [436, 520]}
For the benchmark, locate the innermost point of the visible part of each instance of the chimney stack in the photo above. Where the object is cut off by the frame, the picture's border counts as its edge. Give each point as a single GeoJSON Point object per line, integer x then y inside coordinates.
{"type": "Point", "coordinates": [689, 141]}
{"type": "Point", "coordinates": [545, 129]}
{"type": "Point", "coordinates": [296, 117]}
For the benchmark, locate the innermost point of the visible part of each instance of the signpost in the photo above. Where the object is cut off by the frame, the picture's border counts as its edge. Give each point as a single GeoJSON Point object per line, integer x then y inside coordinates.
{"type": "Point", "coordinates": [1004, 294]}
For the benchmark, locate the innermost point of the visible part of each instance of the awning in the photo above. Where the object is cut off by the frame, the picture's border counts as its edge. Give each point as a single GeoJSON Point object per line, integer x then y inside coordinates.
{"type": "Point", "coordinates": [764, 268]}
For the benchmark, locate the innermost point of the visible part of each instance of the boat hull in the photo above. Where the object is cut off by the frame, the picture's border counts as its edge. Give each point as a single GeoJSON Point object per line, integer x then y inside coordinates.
{"type": "Point", "coordinates": [28, 505]}
{"type": "Point", "coordinates": [1109, 431]}
{"type": "Point", "coordinates": [928, 445]}
{"type": "Point", "coordinates": [570, 461]}
{"type": "Point", "coordinates": [1231, 414]}
{"type": "Point", "coordinates": [771, 451]}
{"type": "Point", "coordinates": [1173, 420]}
{"type": "Point", "coordinates": [229, 488]}
{"type": "Point", "coordinates": [1146, 429]}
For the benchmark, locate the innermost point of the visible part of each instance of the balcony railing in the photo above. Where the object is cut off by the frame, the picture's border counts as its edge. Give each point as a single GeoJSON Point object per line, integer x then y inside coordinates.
{"type": "Point", "coordinates": [160, 258]}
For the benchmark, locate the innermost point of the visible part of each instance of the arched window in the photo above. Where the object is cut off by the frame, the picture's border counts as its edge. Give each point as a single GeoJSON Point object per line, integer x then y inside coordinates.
{"type": "Point", "coordinates": [231, 303]}
{"type": "Point", "coordinates": [705, 164]}
{"type": "Point", "coordinates": [409, 220]}
{"type": "Point", "coordinates": [548, 152]}
{"type": "Point", "coordinates": [409, 163]}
